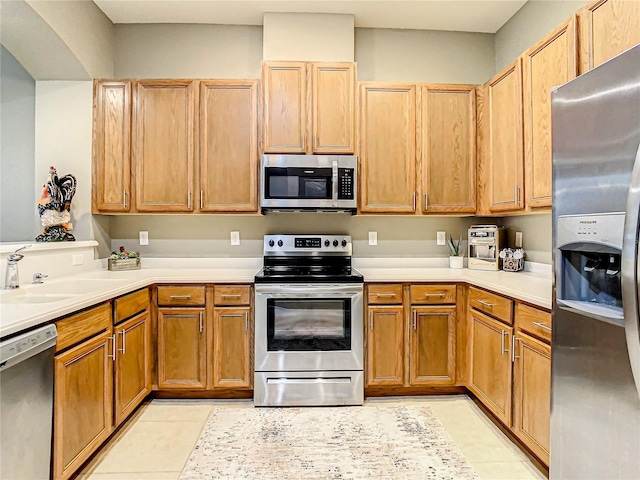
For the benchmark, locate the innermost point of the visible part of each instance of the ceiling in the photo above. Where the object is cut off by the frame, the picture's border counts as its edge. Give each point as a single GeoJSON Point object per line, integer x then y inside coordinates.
{"type": "Point", "coordinates": [455, 15]}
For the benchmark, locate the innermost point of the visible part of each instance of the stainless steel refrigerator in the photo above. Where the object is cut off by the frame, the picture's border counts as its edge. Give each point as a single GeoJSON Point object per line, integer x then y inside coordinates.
{"type": "Point", "coordinates": [595, 389]}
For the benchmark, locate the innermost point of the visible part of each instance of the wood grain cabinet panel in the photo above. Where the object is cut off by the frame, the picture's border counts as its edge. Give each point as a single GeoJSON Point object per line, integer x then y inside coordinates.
{"type": "Point", "coordinates": [83, 390]}
{"type": "Point", "coordinates": [132, 370]}
{"type": "Point", "coordinates": [163, 145]}
{"type": "Point", "coordinates": [385, 294]}
{"type": "Point", "coordinates": [607, 28]}
{"type": "Point", "coordinates": [534, 321]}
{"type": "Point", "coordinates": [492, 304]}
{"type": "Point", "coordinates": [111, 146]}
{"type": "Point", "coordinates": [448, 149]}
{"type": "Point", "coordinates": [432, 294]}
{"type": "Point", "coordinates": [130, 304]}
{"type": "Point", "coordinates": [550, 63]}
{"type": "Point", "coordinates": [228, 146]}
{"type": "Point", "coordinates": [182, 348]}
{"type": "Point", "coordinates": [232, 295]}
{"type": "Point", "coordinates": [505, 150]}
{"type": "Point", "coordinates": [532, 394]}
{"type": "Point", "coordinates": [181, 295]}
{"type": "Point", "coordinates": [385, 346]}
{"type": "Point", "coordinates": [80, 326]}
{"type": "Point", "coordinates": [433, 346]}
{"type": "Point", "coordinates": [387, 148]}
{"type": "Point", "coordinates": [232, 354]}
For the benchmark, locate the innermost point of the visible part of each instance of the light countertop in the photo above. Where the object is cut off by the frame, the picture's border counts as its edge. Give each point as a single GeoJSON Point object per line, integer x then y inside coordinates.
{"type": "Point", "coordinates": [68, 294]}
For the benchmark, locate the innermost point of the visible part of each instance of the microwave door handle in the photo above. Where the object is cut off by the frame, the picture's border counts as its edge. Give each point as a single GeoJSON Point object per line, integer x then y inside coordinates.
{"type": "Point", "coordinates": [334, 183]}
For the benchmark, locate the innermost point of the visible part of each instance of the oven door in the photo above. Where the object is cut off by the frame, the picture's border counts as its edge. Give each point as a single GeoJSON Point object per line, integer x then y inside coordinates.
{"type": "Point", "coordinates": [309, 327]}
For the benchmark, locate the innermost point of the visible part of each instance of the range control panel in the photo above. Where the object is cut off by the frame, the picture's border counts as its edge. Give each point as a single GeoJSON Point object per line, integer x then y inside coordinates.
{"type": "Point", "coordinates": [606, 229]}
{"type": "Point", "coordinates": [299, 244]}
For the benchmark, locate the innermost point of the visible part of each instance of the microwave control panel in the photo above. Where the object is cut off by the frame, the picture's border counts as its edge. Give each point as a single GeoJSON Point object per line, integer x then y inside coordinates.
{"type": "Point", "coordinates": [345, 183]}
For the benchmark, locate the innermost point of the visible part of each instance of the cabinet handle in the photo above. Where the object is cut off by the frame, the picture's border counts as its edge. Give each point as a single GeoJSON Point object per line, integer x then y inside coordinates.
{"type": "Point", "coordinates": [426, 201]}
{"type": "Point", "coordinates": [513, 348]}
{"type": "Point", "coordinates": [113, 347]}
{"type": "Point", "coordinates": [385, 294]}
{"type": "Point", "coordinates": [415, 319]}
{"type": "Point", "coordinates": [189, 199]}
{"type": "Point", "coordinates": [370, 320]}
{"type": "Point", "coordinates": [486, 304]}
{"type": "Point", "coordinates": [231, 295]}
{"type": "Point", "coordinates": [246, 322]}
{"type": "Point", "coordinates": [200, 322]}
{"type": "Point", "coordinates": [315, 141]}
{"type": "Point", "coordinates": [502, 335]}
{"type": "Point", "coordinates": [124, 194]}
{"type": "Point", "coordinates": [123, 333]}
{"type": "Point", "coordinates": [414, 201]}
{"type": "Point", "coordinates": [303, 143]}
{"type": "Point", "coordinates": [201, 199]}
{"type": "Point", "coordinates": [543, 326]}
{"type": "Point", "coordinates": [180, 297]}
{"type": "Point", "coordinates": [434, 294]}
{"type": "Point", "coordinates": [516, 194]}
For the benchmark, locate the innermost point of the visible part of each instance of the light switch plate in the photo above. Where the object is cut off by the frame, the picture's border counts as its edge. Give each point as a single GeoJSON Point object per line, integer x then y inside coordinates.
{"type": "Point", "coordinates": [235, 238]}
{"type": "Point", "coordinates": [518, 239]}
{"type": "Point", "coordinates": [144, 237]}
{"type": "Point", "coordinates": [441, 238]}
{"type": "Point", "coordinates": [373, 238]}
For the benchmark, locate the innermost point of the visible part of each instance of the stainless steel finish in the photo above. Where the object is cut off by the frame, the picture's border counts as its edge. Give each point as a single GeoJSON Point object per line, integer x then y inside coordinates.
{"type": "Point", "coordinates": [26, 404]}
{"type": "Point", "coordinates": [514, 339]}
{"type": "Point", "coordinates": [39, 278]}
{"type": "Point", "coordinates": [542, 326]}
{"type": "Point", "coordinates": [231, 295]}
{"type": "Point", "coordinates": [200, 322]}
{"type": "Point", "coordinates": [484, 245]}
{"type": "Point", "coordinates": [434, 294]}
{"type": "Point", "coordinates": [384, 295]}
{"type": "Point", "coordinates": [189, 199]}
{"type": "Point", "coordinates": [595, 406]}
{"type": "Point", "coordinates": [503, 343]}
{"type": "Point", "coordinates": [201, 199]}
{"type": "Point", "coordinates": [12, 277]}
{"type": "Point", "coordinates": [180, 297]}
{"type": "Point", "coordinates": [426, 201]}
{"type": "Point", "coordinates": [296, 388]}
{"type": "Point", "coordinates": [246, 322]}
{"type": "Point", "coordinates": [415, 319]}
{"type": "Point", "coordinates": [371, 320]}
{"type": "Point", "coordinates": [334, 183]}
{"type": "Point", "coordinates": [113, 347]}
{"type": "Point", "coordinates": [486, 304]}
{"type": "Point", "coordinates": [315, 140]}
{"type": "Point", "coordinates": [414, 201]}
{"type": "Point", "coordinates": [123, 333]}
{"type": "Point", "coordinates": [124, 201]}
{"type": "Point", "coordinates": [288, 247]}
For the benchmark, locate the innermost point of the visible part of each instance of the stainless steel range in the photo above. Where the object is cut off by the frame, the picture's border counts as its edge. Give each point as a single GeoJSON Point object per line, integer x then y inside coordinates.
{"type": "Point", "coordinates": [309, 323]}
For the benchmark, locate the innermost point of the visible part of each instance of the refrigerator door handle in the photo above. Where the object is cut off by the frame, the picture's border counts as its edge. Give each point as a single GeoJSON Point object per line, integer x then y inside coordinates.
{"type": "Point", "coordinates": [630, 271]}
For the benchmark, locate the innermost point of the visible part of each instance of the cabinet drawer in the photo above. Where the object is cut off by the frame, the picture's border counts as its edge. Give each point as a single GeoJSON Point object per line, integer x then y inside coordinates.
{"type": "Point", "coordinates": [128, 305]}
{"type": "Point", "coordinates": [433, 294]}
{"type": "Point", "coordinates": [385, 294]}
{"type": "Point", "coordinates": [232, 295]}
{"type": "Point", "coordinates": [494, 305]}
{"type": "Point", "coordinates": [534, 321]}
{"type": "Point", "coordinates": [180, 295]}
{"type": "Point", "coordinates": [76, 328]}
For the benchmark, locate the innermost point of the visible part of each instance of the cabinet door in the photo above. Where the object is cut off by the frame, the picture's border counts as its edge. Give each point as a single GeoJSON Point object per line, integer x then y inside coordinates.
{"type": "Point", "coordinates": [133, 373]}
{"type": "Point", "coordinates": [387, 148]}
{"type": "Point", "coordinates": [112, 146]}
{"type": "Point", "coordinates": [181, 348]}
{"type": "Point", "coordinates": [285, 107]}
{"type": "Point", "coordinates": [490, 373]}
{"type": "Point", "coordinates": [550, 63]}
{"type": "Point", "coordinates": [505, 145]}
{"type": "Point", "coordinates": [607, 28]}
{"type": "Point", "coordinates": [432, 360]}
{"type": "Point", "coordinates": [231, 330]}
{"type": "Point", "coordinates": [333, 110]}
{"type": "Point", "coordinates": [228, 146]}
{"type": "Point", "coordinates": [448, 149]}
{"type": "Point", "coordinates": [83, 416]}
{"type": "Point", "coordinates": [532, 394]}
{"type": "Point", "coordinates": [163, 145]}
{"type": "Point", "coordinates": [385, 346]}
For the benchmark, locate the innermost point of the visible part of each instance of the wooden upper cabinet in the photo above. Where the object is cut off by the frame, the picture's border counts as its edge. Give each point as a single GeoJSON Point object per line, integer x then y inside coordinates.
{"type": "Point", "coordinates": [163, 145]}
{"type": "Point", "coordinates": [228, 146]}
{"type": "Point", "coordinates": [333, 112]}
{"type": "Point", "coordinates": [607, 28]}
{"type": "Point", "coordinates": [550, 63]}
{"type": "Point", "coordinates": [505, 150]}
{"type": "Point", "coordinates": [387, 148]}
{"type": "Point", "coordinates": [285, 107]}
{"type": "Point", "coordinates": [112, 146]}
{"type": "Point", "coordinates": [448, 149]}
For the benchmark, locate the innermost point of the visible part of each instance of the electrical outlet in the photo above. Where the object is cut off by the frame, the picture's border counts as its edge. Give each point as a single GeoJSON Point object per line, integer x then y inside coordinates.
{"type": "Point", "coordinates": [235, 238]}
{"type": "Point", "coordinates": [144, 237]}
{"type": "Point", "coordinates": [441, 238]}
{"type": "Point", "coordinates": [78, 259]}
{"type": "Point", "coordinates": [373, 238]}
{"type": "Point", "coordinates": [518, 239]}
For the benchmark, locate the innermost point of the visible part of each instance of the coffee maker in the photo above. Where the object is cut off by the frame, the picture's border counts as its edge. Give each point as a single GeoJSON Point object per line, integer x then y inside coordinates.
{"type": "Point", "coordinates": [485, 243]}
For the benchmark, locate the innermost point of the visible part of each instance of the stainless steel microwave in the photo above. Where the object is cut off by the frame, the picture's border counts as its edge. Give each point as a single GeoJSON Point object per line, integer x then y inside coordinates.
{"type": "Point", "coordinates": [324, 183]}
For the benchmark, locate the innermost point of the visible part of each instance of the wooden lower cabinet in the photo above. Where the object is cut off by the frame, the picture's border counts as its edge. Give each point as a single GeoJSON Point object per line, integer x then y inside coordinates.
{"type": "Point", "coordinates": [433, 345]}
{"type": "Point", "coordinates": [490, 372]}
{"type": "Point", "coordinates": [182, 349]}
{"type": "Point", "coordinates": [132, 369]}
{"type": "Point", "coordinates": [532, 394]}
{"type": "Point", "coordinates": [232, 352]}
{"type": "Point", "coordinates": [83, 390]}
{"type": "Point", "coordinates": [385, 346]}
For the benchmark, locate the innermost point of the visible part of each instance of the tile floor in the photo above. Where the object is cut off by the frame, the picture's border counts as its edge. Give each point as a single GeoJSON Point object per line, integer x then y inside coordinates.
{"type": "Point", "coordinates": [157, 441]}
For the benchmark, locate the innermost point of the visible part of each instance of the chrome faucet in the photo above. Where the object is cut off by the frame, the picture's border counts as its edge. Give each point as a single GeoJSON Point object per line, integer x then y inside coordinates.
{"type": "Point", "coordinates": [11, 279]}
{"type": "Point", "coordinates": [39, 277]}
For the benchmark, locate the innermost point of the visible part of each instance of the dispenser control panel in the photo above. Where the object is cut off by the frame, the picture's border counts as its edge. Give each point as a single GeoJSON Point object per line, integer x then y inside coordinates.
{"type": "Point", "coordinates": [607, 229]}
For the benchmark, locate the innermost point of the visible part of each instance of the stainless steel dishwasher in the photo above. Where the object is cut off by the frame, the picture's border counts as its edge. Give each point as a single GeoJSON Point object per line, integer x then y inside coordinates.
{"type": "Point", "coordinates": [26, 404]}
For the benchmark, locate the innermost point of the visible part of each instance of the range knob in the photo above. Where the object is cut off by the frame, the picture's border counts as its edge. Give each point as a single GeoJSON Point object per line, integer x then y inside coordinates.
{"type": "Point", "coordinates": [344, 243]}
{"type": "Point", "coordinates": [327, 243]}
{"type": "Point", "coordinates": [271, 243]}
{"type": "Point", "coordinates": [279, 243]}
{"type": "Point", "coordinates": [335, 243]}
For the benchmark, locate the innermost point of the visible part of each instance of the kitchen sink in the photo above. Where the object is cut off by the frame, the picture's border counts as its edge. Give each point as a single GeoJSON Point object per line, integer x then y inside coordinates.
{"type": "Point", "coordinates": [32, 297]}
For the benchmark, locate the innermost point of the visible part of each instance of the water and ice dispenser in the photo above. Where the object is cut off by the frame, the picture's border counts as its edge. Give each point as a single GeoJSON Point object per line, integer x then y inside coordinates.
{"type": "Point", "coordinates": [589, 255]}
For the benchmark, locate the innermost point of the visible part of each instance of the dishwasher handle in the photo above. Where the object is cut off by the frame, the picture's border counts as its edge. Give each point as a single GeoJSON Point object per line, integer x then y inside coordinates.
{"type": "Point", "coordinates": [18, 349]}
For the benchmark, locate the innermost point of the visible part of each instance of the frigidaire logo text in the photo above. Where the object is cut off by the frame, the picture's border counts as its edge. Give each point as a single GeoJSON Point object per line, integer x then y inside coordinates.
{"type": "Point", "coordinates": [588, 221]}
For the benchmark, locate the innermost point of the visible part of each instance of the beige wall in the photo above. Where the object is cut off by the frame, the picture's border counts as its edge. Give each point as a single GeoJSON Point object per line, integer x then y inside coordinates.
{"type": "Point", "coordinates": [536, 235]}
{"type": "Point", "coordinates": [188, 51]}
{"type": "Point", "coordinates": [424, 56]}
{"type": "Point", "coordinates": [313, 37]}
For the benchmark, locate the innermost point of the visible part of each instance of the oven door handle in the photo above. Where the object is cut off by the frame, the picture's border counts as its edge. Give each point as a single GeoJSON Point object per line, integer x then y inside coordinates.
{"type": "Point", "coordinates": [334, 183]}
{"type": "Point", "coordinates": [309, 295]}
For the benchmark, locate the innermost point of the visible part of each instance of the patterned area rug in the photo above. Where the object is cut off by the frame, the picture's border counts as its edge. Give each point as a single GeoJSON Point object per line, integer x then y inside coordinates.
{"type": "Point", "coordinates": [338, 443]}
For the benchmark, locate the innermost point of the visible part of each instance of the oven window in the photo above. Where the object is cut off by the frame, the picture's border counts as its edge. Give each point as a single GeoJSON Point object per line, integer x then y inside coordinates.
{"type": "Point", "coordinates": [308, 324]}
{"type": "Point", "coordinates": [298, 183]}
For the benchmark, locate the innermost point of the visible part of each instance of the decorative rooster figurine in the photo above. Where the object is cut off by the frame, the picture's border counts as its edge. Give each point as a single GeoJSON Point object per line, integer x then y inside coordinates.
{"type": "Point", "coordinates": [54, 206]}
